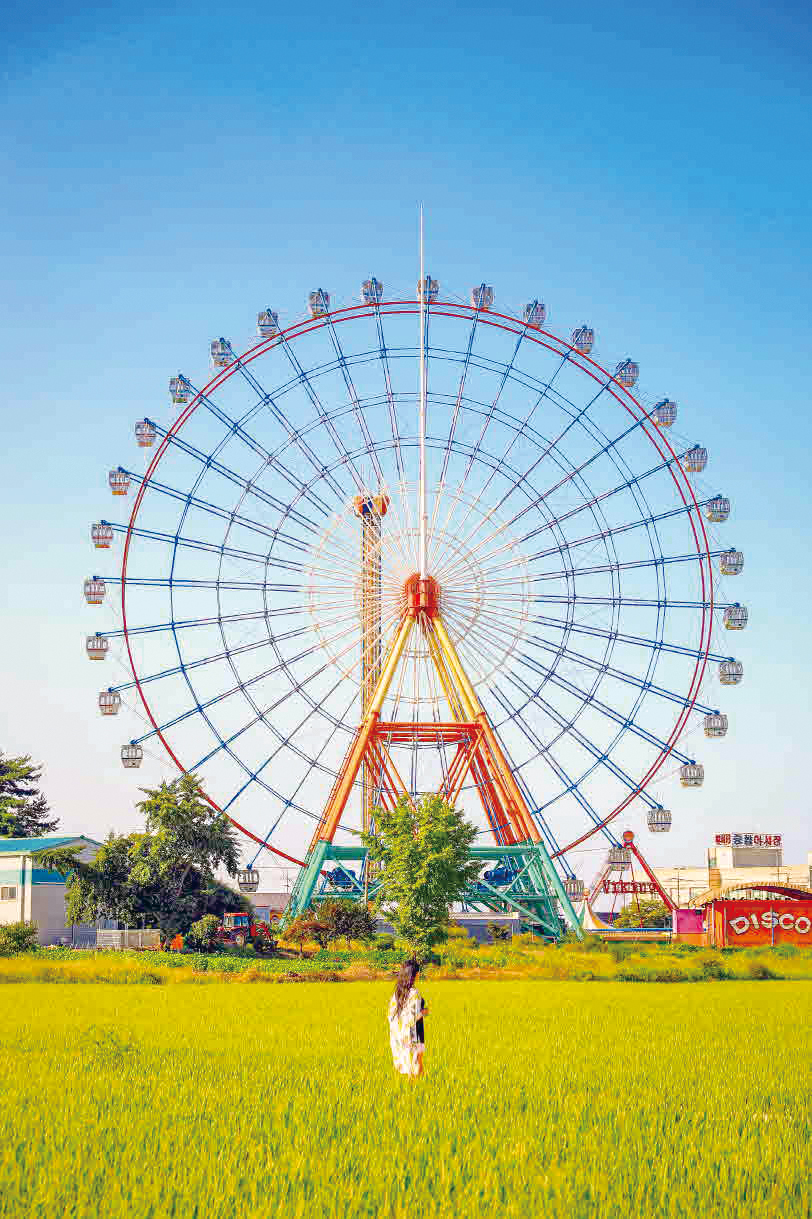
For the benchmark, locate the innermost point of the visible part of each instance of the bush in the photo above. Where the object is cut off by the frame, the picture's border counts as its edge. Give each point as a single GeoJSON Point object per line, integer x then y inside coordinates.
{"type": "Point", "coordinates": [713, 966]}
{"type": "Point", "coordinates": [760, 971]}
{"type": "Point", "coordinates": [18, 937]}
{"type": "Point", "coordinates": [786, 950]}
{"type": "Point", "coordinates": [202, 935]}
{"type": "Point", "coordinates": [497, 932]}
{"type": "Point", "coordinates": [384, 943]}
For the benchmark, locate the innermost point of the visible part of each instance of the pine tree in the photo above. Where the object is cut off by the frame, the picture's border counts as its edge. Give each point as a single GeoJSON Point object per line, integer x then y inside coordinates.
{"type": "Point", "coordinates": [23, 808]}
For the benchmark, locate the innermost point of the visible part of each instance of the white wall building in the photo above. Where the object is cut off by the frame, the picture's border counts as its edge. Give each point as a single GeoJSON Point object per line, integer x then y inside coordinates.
{"type": "Point", "coordinates": [31, 893]}
{"type": "Point", "coordinates": [735, 859]}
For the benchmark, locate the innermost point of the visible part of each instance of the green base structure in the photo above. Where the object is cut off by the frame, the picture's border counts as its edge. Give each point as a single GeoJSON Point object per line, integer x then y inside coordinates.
{"type": "Point", "coordinates": [535, 891]}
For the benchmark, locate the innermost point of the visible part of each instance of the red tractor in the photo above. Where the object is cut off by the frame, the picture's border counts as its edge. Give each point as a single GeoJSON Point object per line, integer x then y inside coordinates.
{"type": "Point", "coordinates": [239, 929]}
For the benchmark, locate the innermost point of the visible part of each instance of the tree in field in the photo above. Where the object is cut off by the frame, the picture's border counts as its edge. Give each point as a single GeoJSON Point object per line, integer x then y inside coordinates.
{"type": "Point", "coordinates": [423, 851]}
{"type": "Point", "coordinates": [300, 931]}
{"type": "Point", "coordinates": [347, 920]}
{"type": "Point", "coordinates": [645, 912]}
{"type": "Point", "coordinates": [23, 808]}
{"type": "Point", "coordinates": [164, 877]}
{"type": "Point", "coordinates": [183, 832]}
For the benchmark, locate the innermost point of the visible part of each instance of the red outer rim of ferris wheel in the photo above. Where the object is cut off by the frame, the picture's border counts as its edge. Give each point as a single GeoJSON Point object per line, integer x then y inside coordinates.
{"type": "Point", "coordinates": [542, 338]}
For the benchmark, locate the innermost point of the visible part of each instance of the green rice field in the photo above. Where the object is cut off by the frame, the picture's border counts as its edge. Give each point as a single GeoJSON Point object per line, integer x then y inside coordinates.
{"type": "Point", "coordinates": [540, 1099]}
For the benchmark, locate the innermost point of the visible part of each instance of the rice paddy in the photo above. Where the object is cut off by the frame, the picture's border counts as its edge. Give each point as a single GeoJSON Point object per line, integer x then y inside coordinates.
{"type": "Point", "coordinates": [539, 1099]}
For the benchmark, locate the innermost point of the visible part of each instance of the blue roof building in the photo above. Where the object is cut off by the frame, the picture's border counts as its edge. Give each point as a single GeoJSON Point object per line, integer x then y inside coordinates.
{"type": "Point", "coordinates": [32, 893]}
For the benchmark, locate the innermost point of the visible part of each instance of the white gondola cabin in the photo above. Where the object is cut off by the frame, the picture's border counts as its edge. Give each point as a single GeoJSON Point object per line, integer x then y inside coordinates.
{"type": "Point", "coordinates": [221, 354]}
{"type": "Point", "coordinates": [731, 672]}
{"type": "Point", "coordinates": [132, 756]}
{"type": "Point", "coordinates": [695, 460]}
{"type": "Point", "coordinates": [715, 725]}
{"type": "Point", "coordinates": [96, 646]}
{"type": "Point", "coordinates": [119, 481]}
{"type": "Point", "coordinates": [664, 413]}
{"type": "Point", "coordinates": [371, 291]}
{"type": "Point", "coordinates": [627, 373]}
{"type": "Point", "coordinates": [658, 820]}
{"type": "Point", "coordinates": [717, 509]}
{"type": "Point", "coordinates": [248, 880]}
{"type": "Point", "coordinates": [692, 774]}
{"type": "Point", "coordinates": [583, 339]}
{"type": "Point", "coordinates": [735, 617]}
{"type": "Point", "coordinates": [318, 302]}
{"type": "Point", "coordinates": [95, 589]}
{"type": "Point", "coordinates": [731, 562]}
{"type": "Point", "coordinates": [619, 858]}
{"type": "Point", "coordinates": [430, 288]}
{"type": "Point", "coordinates": [101, 535]}
{"type": "Point", "coordinates": [482, 296]}
{"type": "Point", "coordinates": [535, 313]}
{"type": "Point", "coordinates": [145, 433]}
{"type": "Point", "coordinates": [267, 323]}
{"type": "Point", "coordinates": [574, 888]}
{"type": "Point", "coordinates": [180, 390]}
{"type": "Point", "coordinates": [109, 702]}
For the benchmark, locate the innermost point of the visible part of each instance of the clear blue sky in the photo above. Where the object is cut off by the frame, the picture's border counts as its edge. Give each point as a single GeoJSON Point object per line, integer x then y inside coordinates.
{"type": "Point", "coordinates": [167, 173]}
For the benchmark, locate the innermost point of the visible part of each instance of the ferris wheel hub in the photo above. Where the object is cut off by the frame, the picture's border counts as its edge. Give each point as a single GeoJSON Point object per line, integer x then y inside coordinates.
{"type": "Point", "coordinates": [422, 595]}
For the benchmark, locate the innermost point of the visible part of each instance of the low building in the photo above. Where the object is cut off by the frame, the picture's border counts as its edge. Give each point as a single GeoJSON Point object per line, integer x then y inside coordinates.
{"type": "Point", "coordinates": [31, 893]}
{"type": "Point", "coordinates": [735, 859]}
{"type": "Point", "coordinates": [268, 905]}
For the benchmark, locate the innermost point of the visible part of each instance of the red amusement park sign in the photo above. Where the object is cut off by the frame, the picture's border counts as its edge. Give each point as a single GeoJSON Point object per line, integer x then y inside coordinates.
{"type": "Point", "coordinates": [748, 840]}
{"type": "Point", "coordinates": [628, 886]}
{"type": "Point", "coordinates": [762, 922]}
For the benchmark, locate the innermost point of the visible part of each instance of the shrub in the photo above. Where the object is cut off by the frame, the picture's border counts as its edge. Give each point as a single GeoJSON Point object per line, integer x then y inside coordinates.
{"type": "Point", "coordinates": [760, 971]}
{"type": "Point", "coordinates": [497, 932]}
{"type": "Point", "coordinates": [202, 935]}
{"type": "Point", "coordinates": [18, 937]}
{"type": "Point", "coordinates": [713, 966]}
{"type": "Point", "coordinates": [786, 950]}
{"type": "Point", "coordinates": [384, 943]}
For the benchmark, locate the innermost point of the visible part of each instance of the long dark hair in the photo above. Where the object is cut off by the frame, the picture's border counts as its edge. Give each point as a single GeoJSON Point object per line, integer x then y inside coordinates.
{"type": "Point", "coordinates": [406, 978]}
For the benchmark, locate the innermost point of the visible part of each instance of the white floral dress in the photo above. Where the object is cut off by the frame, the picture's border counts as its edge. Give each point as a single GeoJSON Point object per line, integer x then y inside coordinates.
{"type": "Point", "coordinates": [406, 1049]}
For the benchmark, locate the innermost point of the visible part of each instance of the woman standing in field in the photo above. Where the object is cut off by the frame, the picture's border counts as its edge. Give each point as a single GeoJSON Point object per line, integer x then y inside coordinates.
{"type": "Point", "coordinates": [406, 1012]}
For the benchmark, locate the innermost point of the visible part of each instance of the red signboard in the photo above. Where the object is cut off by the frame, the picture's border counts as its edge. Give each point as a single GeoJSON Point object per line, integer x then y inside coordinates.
{"type": "Point", "coordinates": [742, 923]}
{"type": "Point", "coordinates": [748, 840]}
{"type": "Point", "coordinates": [628, 886]}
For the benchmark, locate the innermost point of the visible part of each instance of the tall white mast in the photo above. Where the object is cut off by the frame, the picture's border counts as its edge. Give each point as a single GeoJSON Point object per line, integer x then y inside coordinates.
{"type": "Point", "coordinates": [421, 429]}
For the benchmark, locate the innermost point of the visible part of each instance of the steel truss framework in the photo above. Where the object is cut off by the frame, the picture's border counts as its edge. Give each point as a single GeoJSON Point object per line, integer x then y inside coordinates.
{"type": "Point", "coordinates": [577, 579]}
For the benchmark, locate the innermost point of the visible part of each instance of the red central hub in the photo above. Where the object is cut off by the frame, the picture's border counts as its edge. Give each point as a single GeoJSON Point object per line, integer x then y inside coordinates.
{"type": "Point", "coordinates": [422, 596]}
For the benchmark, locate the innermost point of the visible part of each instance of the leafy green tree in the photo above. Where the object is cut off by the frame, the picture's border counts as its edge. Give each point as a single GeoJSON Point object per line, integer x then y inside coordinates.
{"type": "Point", "coordinates": [425, 863]}
{"type": "Point", "coordinates": [347, 920]}
{"type": "Point", "coordinates": [164, 877]}
{"type": "Point", "coordinates": [23, 808]}
{"type": "Point", "coordinates": [17, 937]}
{"type": "Point", "coordinates": [183, 832]}
{"type": "Point", "coordinates": [644, 912]}
{"type": "Point", "coordinates": [332, 913]}
{"type": "Point", "coordinates": [299, 932]}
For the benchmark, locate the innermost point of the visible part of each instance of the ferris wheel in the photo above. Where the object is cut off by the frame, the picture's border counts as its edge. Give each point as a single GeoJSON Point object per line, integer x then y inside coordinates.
{"type": "Point", "coordinates": [438, 458]}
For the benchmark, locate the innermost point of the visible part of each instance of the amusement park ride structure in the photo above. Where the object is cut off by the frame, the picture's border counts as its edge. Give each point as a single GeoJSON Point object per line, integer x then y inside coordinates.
{"type": "Point", "coordinates": [462, 607]}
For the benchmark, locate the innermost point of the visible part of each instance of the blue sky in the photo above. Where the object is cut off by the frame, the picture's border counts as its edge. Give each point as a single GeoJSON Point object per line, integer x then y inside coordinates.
{"type": "Point", "coordinates": [167, 173]}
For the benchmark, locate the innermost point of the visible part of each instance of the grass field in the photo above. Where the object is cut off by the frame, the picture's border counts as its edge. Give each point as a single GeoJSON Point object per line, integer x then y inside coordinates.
{"type": "Point", "coordinates": [539, 1100]}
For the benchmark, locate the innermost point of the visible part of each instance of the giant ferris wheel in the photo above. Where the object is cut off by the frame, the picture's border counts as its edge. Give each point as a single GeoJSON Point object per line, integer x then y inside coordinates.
{"type": "Point", "coordinates": [419, 544]}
